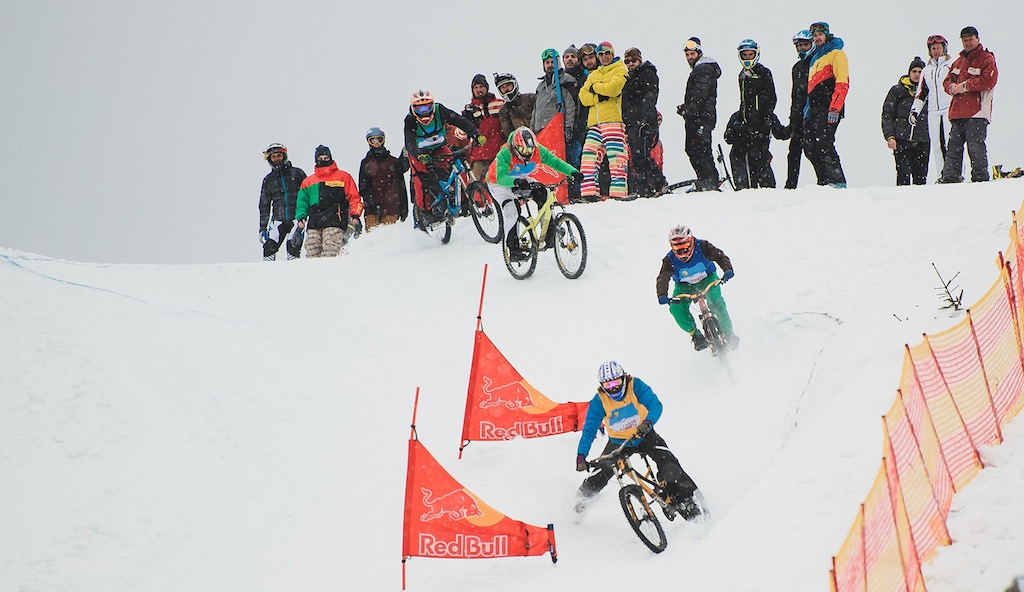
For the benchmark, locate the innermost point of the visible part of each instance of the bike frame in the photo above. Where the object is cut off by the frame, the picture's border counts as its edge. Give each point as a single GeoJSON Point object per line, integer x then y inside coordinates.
{"type": "Point", "coordinates": [619, 461]}
{"type": "Point", "coordinates": [705, 312]}
{"type": "Point", "coordinates": [456, 180]}
{"type": "Point", "coordinates": [541, 221]}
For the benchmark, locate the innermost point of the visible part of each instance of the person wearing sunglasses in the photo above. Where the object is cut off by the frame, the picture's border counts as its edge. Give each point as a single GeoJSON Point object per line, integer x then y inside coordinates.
{"type": "Point", "coordinates": [971, 81]}
{"type": "Point", "coordinates": [328, 207]}
{"type": "Point", "coordinates": [933, 100]}
{"type": "Point", "coordinates": [828, 81]}
{"type": "Point", "coordinates": [606, 136]}
{"type": "Point", "coordinates": [382, 183]}
{"type": "Point", "coordinates": [629, 408]}
{"type": "Point", "coordinates": [277, 203]}
{"type": "Point", "coordinates": [640, 113]}
{"type": "Point", "coordinates": [698, 111]}
{"type": "Point", "coordinates": [426, 144]}
{"type": "Point", "coordinates": [691, 265]}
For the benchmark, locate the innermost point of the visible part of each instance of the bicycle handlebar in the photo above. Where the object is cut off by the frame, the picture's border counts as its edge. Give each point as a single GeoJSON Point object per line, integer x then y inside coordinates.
{"type": "Point", "coordinates": [681, 297]}
{"type": "Point", "coordinates": [607, 459]}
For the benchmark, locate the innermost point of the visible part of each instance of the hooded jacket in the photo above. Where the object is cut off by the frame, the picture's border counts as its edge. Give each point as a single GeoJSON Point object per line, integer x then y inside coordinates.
{"type": "Point", "coordinates": [896, 112]}
{"type": "Point", "coordinates": [328, 197]}
{"type": "Point", "coordinates": [828, 79]}
{"type": "Point", "coordinates": [483, 112]}
{"type": "Point", "coordinates": [977, 69]}
{"type": "Point", "coordinates": [602, 92]}
{"type": "Point", "coordinates": [278, 194]}
{"type": "Point", "coordinates": [381, 183]}
{"type": "Point", "coordinates": [546, 104]}
{"type": "Point", "coordinates": [640, 96]}
{"type": "Point", "coordinates": [932, 77]}
{"type": "Point", "coordinates": [701, 98]}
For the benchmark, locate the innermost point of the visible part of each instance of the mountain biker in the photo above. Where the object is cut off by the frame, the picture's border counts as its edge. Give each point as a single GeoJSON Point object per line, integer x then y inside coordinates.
{"type": "Point", "coordinates": [691, 263]}
{"type": "Point", "coordinates": [426, 144]}
{"type": "Point", "coordinates": [628, 408]}
{"type": "Point", "coordinates": [513, 169]}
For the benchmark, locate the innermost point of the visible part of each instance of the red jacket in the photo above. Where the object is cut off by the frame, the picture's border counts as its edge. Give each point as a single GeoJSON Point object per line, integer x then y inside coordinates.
{"type": "Point", "coordinates": [978, 71]}
{"type": "Point", "coordinates": [484, 113]}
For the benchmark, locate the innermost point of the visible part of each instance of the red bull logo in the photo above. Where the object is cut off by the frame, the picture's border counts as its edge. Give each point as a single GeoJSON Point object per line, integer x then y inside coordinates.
{"type": "Point", "coordinates": [464, 546]}
{"type": "Point", "coordinates": [456, 505]}
{"type": "Point", "coordinates": [513, 395]}
{"type": "Point", "coordinates": [521, 429]}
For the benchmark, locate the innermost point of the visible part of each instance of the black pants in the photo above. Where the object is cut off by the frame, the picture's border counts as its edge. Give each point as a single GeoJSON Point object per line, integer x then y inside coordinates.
{"type": "Point", "coordinates": [271, 247]}
{"type": "Point", "coordinates": [645, 178]}
{"type": "Point", "coordinates": [796, 152]}
{"type": "Point", "coordinates": [973, 132]}
{"type": "Point", "coordinates": [911, 162]}
{"type": "Point", "coordinates": [752, 164]}
{"type": "Point", "coordinates": [679, 484]}
{"type": "Point", "coordinates": [819, 140]}
{"type": "Point", "coordinates": [698, 149]}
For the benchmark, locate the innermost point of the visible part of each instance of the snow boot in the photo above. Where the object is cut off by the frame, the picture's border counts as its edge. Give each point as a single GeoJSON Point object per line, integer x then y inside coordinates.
{"type": "Point", "coordinates": [699, 341]}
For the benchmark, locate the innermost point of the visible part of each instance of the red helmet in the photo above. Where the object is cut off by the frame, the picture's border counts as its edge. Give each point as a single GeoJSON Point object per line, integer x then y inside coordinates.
{"type": "Point", "coordinates": [523, 141]}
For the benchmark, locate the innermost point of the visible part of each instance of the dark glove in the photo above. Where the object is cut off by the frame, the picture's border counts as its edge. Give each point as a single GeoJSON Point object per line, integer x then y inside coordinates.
{"type": "Point", "coordinates": [663, 300]}
{"type": "Point", "coordinates": [521, 184]}
{"type": "Point", "coordinates": [644, 428]}
{"type": "Point", "coordinates": [912, 118]}
{"type": "Point", "coordinates": [833, 117]}
{"type": "Point", "coordinates": [576, 177]}
{"type": "Point", "coordinates": [355, 227]}
{"type": "Point", "coordinates": [581, 463]}
{"type": "Point", "coordinates": [728, 275]}
{"type": "Point", "coordinates": [424, 158]}
{"type": "Point", "coordinates": [601, 98]}
{"type": "Point", "coordinates": [403, 216]}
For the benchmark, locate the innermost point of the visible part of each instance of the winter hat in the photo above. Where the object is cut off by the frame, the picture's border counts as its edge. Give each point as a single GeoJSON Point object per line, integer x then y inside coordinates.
{"type": "Point", "coordinates": [916, 63]}
{"type": "Point", "coordinates": [479, 79]}
{"type": "Point", "coordinates": [969, 32]}
{"type": "Point", "coordinates": [571, 49]}
{"type": "Point", "coordinates": [632, 52]}
{"type": "Point", "coordinates": [693, 44]}
{"type": "Point", "coordinates": [820, 26]}
{"type": "Point", "coordinates": [605, 46]}
{"type": "Point", "coordinates": [322, 150]}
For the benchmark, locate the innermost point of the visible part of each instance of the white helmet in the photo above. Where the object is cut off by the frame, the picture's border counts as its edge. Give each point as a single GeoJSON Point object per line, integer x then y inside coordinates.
{"type": "Point", "coordinates": [679, 231]}
{"type": "Point", "coordinates": [609, 371]}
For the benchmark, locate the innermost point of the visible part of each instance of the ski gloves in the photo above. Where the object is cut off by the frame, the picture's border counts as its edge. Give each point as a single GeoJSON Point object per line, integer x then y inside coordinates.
{"type": "Point", "coordinates": [424, 158]}
{"type": "Point", "coordinates": [728, 275]}
{"type": "Point", "coordinates": [576, 177]}
{"type": "Point", "coordinates": [663, 300]}
{"type": "Point", "coordinates": [355, 227]}
{"type": "Point", "coordinates": [521, 184]}
{"type": "Point", "coordinates": [581, 462]}
{"type": "Point", "coordinates": [644, 428]}
{"type": "Point", "coordinates": [833, 116]}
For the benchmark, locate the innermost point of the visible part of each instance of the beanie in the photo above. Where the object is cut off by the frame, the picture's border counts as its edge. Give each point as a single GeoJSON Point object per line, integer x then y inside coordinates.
{"type": "Point", "coordinates": [693, 44]}
{"type": "Point", "coordinates": [969, 32]}
{"type": "Point", "coordinates": [322, 150]}
{"type": "Point", "coordinates": [479, 79]}
{"type": "Point", "coordinates": [571, 49]}
{"type": "Point", "coordinates": [917, 62]}
{"type": "Point", "coordinates": [632, 52]}
{"type": "Point", "coordinates": [605, 46]}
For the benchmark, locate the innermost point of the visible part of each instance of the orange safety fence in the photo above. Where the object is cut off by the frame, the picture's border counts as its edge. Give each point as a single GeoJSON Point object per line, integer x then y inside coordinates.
{"type": "Point", "coordinates": [958, 388]}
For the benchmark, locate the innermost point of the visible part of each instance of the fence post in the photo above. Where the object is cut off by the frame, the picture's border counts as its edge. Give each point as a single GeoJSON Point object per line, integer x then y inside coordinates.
{"type": "Point", "coordinates": [984, 374]}
{"type": "Point", "coordinates": [931, 479]}
{"type": "Point", "coordinates": [892, 504]}
{"type": "Point", "coordinates": [963, 424]}
{"type": "Point", "coordinates": [928, 413]}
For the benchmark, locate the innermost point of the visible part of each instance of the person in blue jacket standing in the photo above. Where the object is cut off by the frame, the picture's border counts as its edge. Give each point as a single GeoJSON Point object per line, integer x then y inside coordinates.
{"type": "Point", "coordinates": [628, 408]}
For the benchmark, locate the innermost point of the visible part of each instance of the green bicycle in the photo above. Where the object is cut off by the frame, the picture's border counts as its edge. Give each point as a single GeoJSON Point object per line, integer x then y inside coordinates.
{"type": "Point", "coordinates": [547, 229]}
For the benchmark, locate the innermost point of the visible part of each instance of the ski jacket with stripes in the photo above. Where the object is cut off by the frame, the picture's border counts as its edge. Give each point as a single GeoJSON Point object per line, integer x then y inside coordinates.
{"type": "Point", "coordinates": [828, 79]}
{"type": "Point", "coordinates": [483, 112]}
{"type": "Point", "coordinates": [328, 197]}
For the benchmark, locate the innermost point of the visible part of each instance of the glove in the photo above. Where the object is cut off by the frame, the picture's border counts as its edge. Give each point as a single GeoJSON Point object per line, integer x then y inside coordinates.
{"type": "Point", "coordinates": [264, 236]}
{"type": "Point", "coordinates": [581, 463]}
{"type": "Point", "coordinates": [576, 177]}
{"type": "Point", "coordinates": [833, 117]}
{"type": "Point", "coordinates": [644, 427]}
{"type": "Point", "coordinates": [912, 118]}
{"type": "Point", "coordinates": [424, 158]}
{"type": "Point", "coordinates": [521, 185]}
{"type": "Point", "coordinates": [569, 136]}
{"type": "Point", "coordinates": [728, 275]}
{"type": "Point", "coordinates": [663, 300]}
{"type": "Point", "coordinates": [481, 140]}
{"type": "Point", "coordinates": [679, 109]}
{"type": "Point", "coordinates": [355, 227]}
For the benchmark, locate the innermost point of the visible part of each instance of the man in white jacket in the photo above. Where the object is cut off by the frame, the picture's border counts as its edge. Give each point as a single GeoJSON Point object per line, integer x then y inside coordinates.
{"type": "Point", "coordinates": [932, 97]}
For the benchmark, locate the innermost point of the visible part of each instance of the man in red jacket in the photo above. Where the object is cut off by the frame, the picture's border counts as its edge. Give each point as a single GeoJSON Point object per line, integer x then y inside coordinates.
{"type": "Point", "coordinates": [970, 81]}
{"type": "Point", "coordinates": [483, 110]}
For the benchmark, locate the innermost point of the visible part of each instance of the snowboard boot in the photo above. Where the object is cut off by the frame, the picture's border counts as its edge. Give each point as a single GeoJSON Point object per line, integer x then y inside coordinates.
{"type": "Point", "coordinates": [515, 252]}
{"type": "Point", "coordinates": [688, 509]}
{"type": "Point", "coordinates": [699, 341]}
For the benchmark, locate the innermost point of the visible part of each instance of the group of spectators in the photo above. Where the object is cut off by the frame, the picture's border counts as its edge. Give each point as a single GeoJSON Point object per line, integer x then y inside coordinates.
{"type": "Point", "coordinates": [609, 122]}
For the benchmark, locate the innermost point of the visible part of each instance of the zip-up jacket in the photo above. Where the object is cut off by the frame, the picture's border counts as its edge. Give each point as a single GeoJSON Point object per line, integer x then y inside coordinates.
{"type": "Point", "coordinates": [828, 80]}
{"type": "Point", "coordinates": [546, 104]}
{"type": "Point", "coordinates": [483, 112]}
{"type": "Point", "coordinates": [977, 69]}
{"type": "Point", "coordinates": [896, 112]}
{"type": "Point", "coordinates": [701, 98]}
{"type": "Point", "coordinates": [507, 168]}
{"type": "Point", "coordinates": [640, 96]}
{"type": "Point", "coordinates": [328, 197]}
{"type": "Point", "coordinates": [602, 92]}
{"type": "Point", "coordinates": [932, 77]}
{"type": "Point", "coordinates": [757, 98]}
{"type": "Point", "coordinates": [700, 266]}
{"type": "Point", "coordinates": [381, 183]}
{"type": "Point", "coordinates": [279, 192]}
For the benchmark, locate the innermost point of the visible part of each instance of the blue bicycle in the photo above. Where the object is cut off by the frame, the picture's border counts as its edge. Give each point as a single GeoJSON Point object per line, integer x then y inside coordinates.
{"type": "Point", "coordinates": [458, 192]}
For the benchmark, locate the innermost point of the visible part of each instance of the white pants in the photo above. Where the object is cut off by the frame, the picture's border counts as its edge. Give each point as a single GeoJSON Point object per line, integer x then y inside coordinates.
{"type": "Point", "coordinates": [507, 200]}
{"type": "Point", "coordinates": [938, 130]}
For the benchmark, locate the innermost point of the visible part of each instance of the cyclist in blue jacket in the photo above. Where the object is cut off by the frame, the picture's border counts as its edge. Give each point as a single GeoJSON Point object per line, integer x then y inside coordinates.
{"type": "Point", "coordinates": [627, 407]}
{"type": "Point", "coordinates": [691, 264]}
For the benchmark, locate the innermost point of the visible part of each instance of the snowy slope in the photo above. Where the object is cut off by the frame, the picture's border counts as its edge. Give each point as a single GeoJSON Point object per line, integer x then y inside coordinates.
{"type": "Point", "coordinates": [243, 426]}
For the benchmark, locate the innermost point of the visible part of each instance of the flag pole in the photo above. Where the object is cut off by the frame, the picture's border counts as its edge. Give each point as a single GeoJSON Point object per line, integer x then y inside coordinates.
{"type": "Point", "coordinates": [479, 312]}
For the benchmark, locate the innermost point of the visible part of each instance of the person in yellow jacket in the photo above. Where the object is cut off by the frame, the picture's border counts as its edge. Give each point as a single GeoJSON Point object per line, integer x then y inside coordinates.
{"type": "Point", "coordinates": [602, 93]}
{"type": "Point", "coordinates": [628, 409]}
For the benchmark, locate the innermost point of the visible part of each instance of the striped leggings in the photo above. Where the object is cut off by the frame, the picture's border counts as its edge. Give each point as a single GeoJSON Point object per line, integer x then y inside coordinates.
{"type": "Point", "coordinates": [604, 139]}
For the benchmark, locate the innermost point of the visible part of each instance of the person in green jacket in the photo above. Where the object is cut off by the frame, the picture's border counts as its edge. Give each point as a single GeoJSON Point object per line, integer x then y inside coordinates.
{"type": "Point", "coordinates": [519, 162]}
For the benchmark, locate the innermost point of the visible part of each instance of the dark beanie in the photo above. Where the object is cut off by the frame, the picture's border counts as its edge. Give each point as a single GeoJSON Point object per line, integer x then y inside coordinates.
{"type": "Point", "coordinates": [571, 49]}
{"type": "Point", "coordinates": [479, 79]}
{"type": "Point", "coordinates": [969, 32]}
{"type": "Point", "coordinates": [632, 52]}
{"type": "Point", "coordinates": [320, 151]}
{"type": "Point", "coordinates": [917, 62]}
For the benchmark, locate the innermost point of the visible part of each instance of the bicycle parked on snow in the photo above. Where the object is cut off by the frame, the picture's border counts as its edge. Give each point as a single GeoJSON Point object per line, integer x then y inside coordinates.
{"type": "Point", "coordinates": [548, 228]}
{"type": "Point", "coordinates": [455, 191]}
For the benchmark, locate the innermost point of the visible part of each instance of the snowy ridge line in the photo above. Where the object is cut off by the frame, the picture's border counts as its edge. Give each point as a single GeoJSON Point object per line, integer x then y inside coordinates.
{"type": "Point", "coordinates": [10, 261]}
{"type": "Point", "coordinates": [958, 387]}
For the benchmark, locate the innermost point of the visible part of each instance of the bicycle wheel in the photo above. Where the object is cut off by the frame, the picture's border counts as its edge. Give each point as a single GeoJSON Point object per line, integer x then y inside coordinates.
{"type": "Point", "coordinates": [713, 331]}
{"type": "Point", "coordinates": [439, 229]}
{"type": "Point", "coordinates": [522, 268]}
{"type": "Point", "coordinates": [570, 245]}
{"type": "Point", "coordinates": [486, 214]}
{"type": "Point", "coordinates": [638, 512]}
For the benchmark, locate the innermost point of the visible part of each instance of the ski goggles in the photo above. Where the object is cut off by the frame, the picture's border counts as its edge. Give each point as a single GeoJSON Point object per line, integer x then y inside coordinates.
{"type": "Point", "coordinates": [682, 246]}
{"type": "Point", "coordinates": [818, 28]}
{"type": "Point", "coordinates": [691, 45]}
{"type": "Point", "coordinates": [375, 141]}
{"type": "Point", "coordinates": [936, 39]}
{"type": "Point", "coordinates": [612, 385]}
{"type": "Point", "coordinates": [426, 109]}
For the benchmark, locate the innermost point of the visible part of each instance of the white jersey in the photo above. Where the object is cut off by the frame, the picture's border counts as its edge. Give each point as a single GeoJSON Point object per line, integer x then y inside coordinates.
{"type": "Point", "coordinates": [932, 76]}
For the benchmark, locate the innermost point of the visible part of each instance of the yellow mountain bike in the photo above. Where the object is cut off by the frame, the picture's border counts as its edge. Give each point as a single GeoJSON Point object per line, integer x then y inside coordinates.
{"type": "Point", "coordinates": [548, 228]}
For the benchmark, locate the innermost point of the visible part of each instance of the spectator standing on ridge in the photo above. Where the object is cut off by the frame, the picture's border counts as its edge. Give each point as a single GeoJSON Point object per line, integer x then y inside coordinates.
{"type": "Point", "coordinates": [483, 111]}
{"type": "Point", "coordinates": [828, 81]}
{"type": "Point", "coordinates": [573, 67]}
{"type": "Point", "coordinates": [382, 183]}
{"type": "Point", "coordinates": [803, 42]}
{"type": "Point", "coordinates": [640, 113]}
{"type": "Point", "coordinates": [277, 203]}
{"type": "Point", "coordinates": [904, 133]}
{"type": "Point", "coordinates": [328, 205]}
{"type": "Point", "coordinates": [937, 103]}
{"type": "Point", "coordinates": [699, 114]}
{"type": "Point", "coordinates": [517, 111]}
{"type": "Point", "coordinates": [971, 81]}
{"type": "Point", "coordinates": [547, 97]}
{"type": "Point", "coordinates": [606, 138]}
{"type": "Point", "coordinates": [751, 160]}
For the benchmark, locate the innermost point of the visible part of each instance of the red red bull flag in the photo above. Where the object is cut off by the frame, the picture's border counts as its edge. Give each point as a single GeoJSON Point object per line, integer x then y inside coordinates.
{"type": "Point", "coordinates": [501, 405]}
{"type": "Point", "coordinates": [443, 519]}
